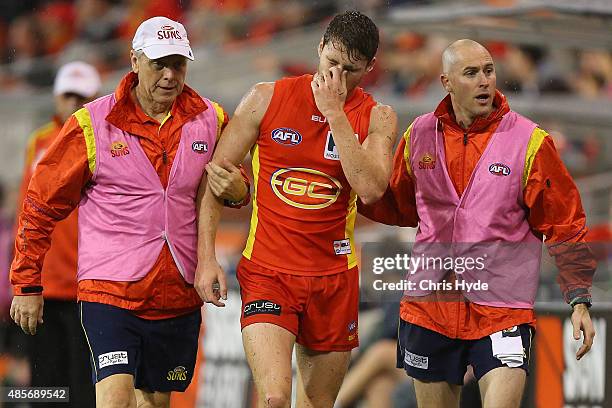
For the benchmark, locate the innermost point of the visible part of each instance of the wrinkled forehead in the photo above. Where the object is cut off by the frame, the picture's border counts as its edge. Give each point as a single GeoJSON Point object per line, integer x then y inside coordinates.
{"type": "Point", "coordinates": [339, 52]}
{"type": "Point", "coordinates": [472, 56]}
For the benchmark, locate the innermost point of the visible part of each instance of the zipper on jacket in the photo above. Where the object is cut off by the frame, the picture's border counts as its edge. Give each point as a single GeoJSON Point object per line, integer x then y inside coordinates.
{"type": "Point", "coordinates": [465, 142]}
{"type": "Point", "coordinates": [164, 153]}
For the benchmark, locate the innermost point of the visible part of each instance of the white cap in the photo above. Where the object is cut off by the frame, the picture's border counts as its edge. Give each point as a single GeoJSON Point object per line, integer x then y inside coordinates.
{"type": "Point", "coordinates": [158, 37]}
{"type": "Point", "coordinates": [77, 77]}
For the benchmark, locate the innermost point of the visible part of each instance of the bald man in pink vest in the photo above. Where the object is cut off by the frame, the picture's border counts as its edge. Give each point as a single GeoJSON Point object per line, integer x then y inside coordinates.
{"type": "Point", "coordinates": [484, 185]}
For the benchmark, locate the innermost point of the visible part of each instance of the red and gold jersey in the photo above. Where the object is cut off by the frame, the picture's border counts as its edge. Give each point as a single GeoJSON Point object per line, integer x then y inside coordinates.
{"type": "Point", "coordinates": [303, 206]}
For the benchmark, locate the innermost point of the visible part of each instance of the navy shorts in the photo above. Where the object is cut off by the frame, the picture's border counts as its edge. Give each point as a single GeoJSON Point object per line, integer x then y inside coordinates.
{"type": "Point", "coordinates": [432, 357]}
{"type": "Point", "coordinates": [160, 354]}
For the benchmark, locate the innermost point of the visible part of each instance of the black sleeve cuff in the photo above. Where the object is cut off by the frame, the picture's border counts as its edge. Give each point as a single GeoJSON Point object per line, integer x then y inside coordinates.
{"type": "Point", "coordinates": [29, 290]}
{"type": "Point", "coordinates": [581, 300]}
{"type": "Point", "coordinates": [577, 292]}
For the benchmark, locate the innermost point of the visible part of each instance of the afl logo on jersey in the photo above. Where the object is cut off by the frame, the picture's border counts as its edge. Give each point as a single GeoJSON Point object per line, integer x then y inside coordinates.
{"type": "Point", "coordinates": [499, 169]}
{"type": "Point", "coordinates": [286, 136]}
{"type": "Point", "coordinates": [304, 188]}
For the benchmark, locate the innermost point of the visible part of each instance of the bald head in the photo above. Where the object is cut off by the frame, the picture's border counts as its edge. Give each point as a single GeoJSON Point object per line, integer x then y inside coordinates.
{"type": "Point", "coordinates": [457, 50]}
{"type": "Point", "coordinates": [469, 78]}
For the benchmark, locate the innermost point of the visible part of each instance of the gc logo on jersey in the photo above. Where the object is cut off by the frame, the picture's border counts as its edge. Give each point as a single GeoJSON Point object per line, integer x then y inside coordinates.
{"type": "Point", "coordinates": [304, 188]}
{"type": "Point", "coordinates": [286, 136]}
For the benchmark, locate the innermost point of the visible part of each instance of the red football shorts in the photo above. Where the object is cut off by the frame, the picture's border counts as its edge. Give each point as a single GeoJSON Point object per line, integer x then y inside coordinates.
{"type": "Point", "coordinates": [321, 311]}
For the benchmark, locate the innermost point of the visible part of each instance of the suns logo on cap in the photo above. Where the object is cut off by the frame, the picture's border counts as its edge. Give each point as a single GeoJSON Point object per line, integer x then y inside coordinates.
{"type": "Point", "coordinates": [119, 149]}
{"type": "Point", "coordinates": [168, 32]}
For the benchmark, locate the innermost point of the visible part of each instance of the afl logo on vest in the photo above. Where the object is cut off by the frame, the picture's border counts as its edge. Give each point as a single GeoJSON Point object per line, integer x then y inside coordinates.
{"type": "Point", "coordinates": [286, 136]}
{"type": "Point", "coordinates": [119, 149]}
{"type": "Point", "coordinates": [168, 32]}
{"type": "Point", "coordinates": [199, 146]}
{"type": "Point", "coordinates": [427, 162]}
{"type": "Point", "coordinates": [499, 169]}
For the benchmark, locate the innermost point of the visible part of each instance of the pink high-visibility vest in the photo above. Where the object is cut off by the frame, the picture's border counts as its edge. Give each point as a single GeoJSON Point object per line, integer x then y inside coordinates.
{"type": "Point", "coordinates": [483, 236]}
{"type": "Point", "coordinates": [126, 216]}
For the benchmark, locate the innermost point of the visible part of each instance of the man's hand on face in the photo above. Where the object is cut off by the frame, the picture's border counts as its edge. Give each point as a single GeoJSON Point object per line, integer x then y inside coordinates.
{"type": "Point", "coordinates": [329, 90]}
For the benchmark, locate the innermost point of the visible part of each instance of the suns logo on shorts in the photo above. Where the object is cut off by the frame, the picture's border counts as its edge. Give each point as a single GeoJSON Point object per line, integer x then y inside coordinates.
{"type": "Point", "coordinates": [178, 374]}
{"type": "Point", "coordinates": [304, 188]}
{"type": "Point", "coordinates": [119, 149]}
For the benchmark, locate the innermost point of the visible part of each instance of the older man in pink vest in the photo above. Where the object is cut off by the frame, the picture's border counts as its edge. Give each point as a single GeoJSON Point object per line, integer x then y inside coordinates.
{"type": "Point", "coordinates": [133, 162]}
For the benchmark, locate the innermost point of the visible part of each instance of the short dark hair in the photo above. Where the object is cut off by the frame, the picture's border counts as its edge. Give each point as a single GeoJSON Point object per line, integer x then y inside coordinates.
{"type": "Point", "coordinates": [356, 32]}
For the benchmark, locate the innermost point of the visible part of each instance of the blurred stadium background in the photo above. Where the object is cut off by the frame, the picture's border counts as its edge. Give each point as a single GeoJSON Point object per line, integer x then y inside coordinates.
{"type": "Point", "coordinates": [554, 62]}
